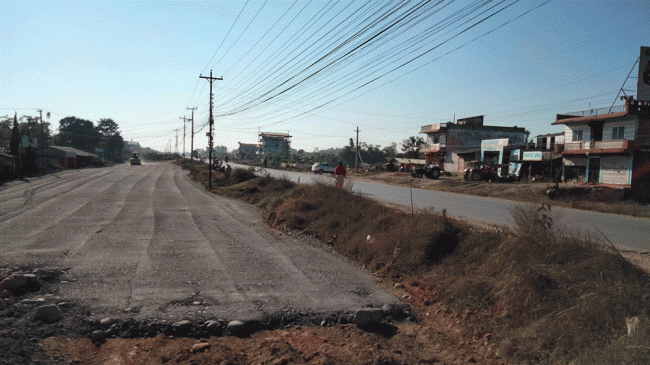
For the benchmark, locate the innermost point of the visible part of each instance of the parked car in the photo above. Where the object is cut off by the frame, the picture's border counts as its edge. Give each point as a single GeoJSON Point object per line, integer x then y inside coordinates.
{"type": "Point", "coordinates": [321, 167]}
{"type": "Point", "coordinates": [135, 160]}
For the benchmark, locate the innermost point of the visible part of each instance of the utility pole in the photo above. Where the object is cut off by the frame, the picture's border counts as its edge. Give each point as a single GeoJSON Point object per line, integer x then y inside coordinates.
{"type": "Point", "coordinates": [210, 139]}
{"type": "Point", "coordinates": [192, 136]}
{"type": "Point", "coordinates": [40, 111]}
{"type": "Point", "coordinates": [176, 130]}
{"type": "Point", "coordinates": [356, 156]}
{"type": "Point", "coordinates": [184, 122]}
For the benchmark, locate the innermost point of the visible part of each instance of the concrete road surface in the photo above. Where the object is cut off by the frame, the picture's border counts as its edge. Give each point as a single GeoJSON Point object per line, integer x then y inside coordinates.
{"type": "Point", "coordinates": [623, 231]}
{"type": "Point", "coordinates": [146, 240]}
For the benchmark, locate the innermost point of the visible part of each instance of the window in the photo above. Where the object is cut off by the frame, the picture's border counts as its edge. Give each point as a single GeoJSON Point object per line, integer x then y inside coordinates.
{"type": "Point", "coordinates": [618, 132]}
{"type": "Point", "coordinates": [577, 135]}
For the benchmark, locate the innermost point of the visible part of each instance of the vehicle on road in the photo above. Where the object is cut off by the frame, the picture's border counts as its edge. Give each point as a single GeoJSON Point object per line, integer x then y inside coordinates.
{"type": "Point", "coordinates": [321, 167]}
{"type": "Point", "coordinates": [430, 171]}
{"type": "Point", "coordinates": [135, 159]}
{"type": "Point", "coordinates": [481, 171]}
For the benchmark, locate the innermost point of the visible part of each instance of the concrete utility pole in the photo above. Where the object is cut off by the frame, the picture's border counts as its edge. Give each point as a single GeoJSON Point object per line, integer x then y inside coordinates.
{"type": "Point", "coordinates": [176, 130]}
{"type": "Point", "coordinates": [356, 156]}
{"type": "Point", "coordinates": [192, 136]}
{"type": "Point", "coordinates": [40, 111]}
{"type": "Point", "coordinates": [210, 139]}
{"type": "Point", "coordinates": [184, 122]}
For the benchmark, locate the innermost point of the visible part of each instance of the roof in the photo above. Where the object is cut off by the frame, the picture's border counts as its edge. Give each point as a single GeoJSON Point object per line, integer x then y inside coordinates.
{"type": "Point", "coordinates": [550, 134]}
{"type": "Point", "coordinates": [411, 161]}
{"type": "Point", "coordinates": [591, 118]}
{"type": "Point", "coordinates": [73, 150]}
{"type": "Point", "coordinates": [433, 128]}
{"type": "Point", "coordinates": [275, 135]}
{"type": "Point", "coordinates": [6, 159]}
{"type": "Point", "coordinates": [248, 147]}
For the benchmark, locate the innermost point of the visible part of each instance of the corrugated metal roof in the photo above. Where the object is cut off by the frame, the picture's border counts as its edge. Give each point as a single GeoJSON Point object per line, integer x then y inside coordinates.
{"type": "Point", "coordinates": [74, 150]}
{"type": "Point", "coordinates": [411, 161]}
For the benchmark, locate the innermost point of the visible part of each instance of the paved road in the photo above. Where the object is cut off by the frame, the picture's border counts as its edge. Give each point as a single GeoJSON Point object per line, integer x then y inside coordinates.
{"type": "Point", "coordinates": [625, 232]}
{"type": "Point", "coordinates": [146, 239]}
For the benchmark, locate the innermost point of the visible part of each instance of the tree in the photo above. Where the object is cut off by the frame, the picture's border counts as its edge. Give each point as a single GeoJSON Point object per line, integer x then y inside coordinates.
{"type": "Point", "coordinates": [14, 145]}
{"type": "Point", "coordinates": [390, 151]}
{"type": "Point", "coordinates": [115, 148]}
{"type": "Point", "coordinates": [412, 146]}
{"type": "Point", "coordinates": [111, 140]}
{"type": "Point", "coordinates": [29, 162]}
{"type": "Point", "coordinates": [107, 127]}
{"type": "Point", "coordinates": [5, 131]}
{"type": "Point", "coordinates": [78, 133]}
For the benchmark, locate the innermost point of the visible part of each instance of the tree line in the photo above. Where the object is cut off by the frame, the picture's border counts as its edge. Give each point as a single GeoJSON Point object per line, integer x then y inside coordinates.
{"type": "Point", "coordinates": [24, 137]}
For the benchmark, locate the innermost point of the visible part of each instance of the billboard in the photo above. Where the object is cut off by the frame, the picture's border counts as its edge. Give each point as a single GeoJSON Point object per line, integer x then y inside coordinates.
{"type": "Point", "coordinates": [494, 144]}
{"type": "Point", "coordinates": [643, 82]}
{"type": "Point", "coordinates": [532, 156]}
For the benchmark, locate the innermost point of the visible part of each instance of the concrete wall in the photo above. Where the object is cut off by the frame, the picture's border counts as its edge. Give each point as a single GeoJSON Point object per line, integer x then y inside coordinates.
{"type": "Point", "coordinates": [629, 125]}
{"type": "Point", "coordinates": [569, 130]}
{"type": "Point", "coordinates": [463, 139]}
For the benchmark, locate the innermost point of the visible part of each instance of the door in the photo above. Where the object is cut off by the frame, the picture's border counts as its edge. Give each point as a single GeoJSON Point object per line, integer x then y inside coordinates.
{"type": "Point", "coordinates": [594, 170]}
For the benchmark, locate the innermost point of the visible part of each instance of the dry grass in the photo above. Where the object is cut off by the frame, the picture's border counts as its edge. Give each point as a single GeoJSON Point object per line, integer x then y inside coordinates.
{"type": "Point", "coordinates": [547, 297]}
{"type": "Point", "coordinates": [544, 296]}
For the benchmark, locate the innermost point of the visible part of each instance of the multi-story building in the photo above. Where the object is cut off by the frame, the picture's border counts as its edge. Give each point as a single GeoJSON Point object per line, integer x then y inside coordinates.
{"type": "Point", "coordinates": [275, 143]}
{"type": "Point", "coordinates": [452, 144]}
{"type": "Point", "coordinates": [608, 146]}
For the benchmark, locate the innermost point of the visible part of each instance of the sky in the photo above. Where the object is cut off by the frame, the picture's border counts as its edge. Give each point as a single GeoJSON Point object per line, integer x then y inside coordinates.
{"type": "Point", "coordinates": [317, 70]}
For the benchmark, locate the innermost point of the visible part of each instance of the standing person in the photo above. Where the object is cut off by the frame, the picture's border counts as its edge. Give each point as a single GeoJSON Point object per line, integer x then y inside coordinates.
{"type": "Point", "coordinates": [339, 175]}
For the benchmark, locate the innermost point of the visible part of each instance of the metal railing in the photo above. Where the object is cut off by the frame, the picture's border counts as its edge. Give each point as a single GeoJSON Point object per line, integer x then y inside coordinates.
{"type": "Point", "coordinates": [598, 111]}
{"type": "Point", "coordinates": [596, 145]}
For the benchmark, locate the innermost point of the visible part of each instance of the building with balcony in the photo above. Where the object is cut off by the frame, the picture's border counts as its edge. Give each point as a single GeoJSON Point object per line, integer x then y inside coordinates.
{"type": "Point", "coordinates": [275, 143]}
{"type": "Point", "coordinates": [608, 146]}
{"type": "Point", "coordinates": [452, 144]}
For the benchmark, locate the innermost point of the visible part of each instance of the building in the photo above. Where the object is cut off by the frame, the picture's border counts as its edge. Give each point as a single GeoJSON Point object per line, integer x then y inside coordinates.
{"type": "Point", "coordinates": [7, 166]}
{"type": "Point", "coordinates": [541, 161]}
{"type": "Point", "coordinates": [608, 146]}
{"type": "Point", "coordinates": [68, 157]}
{"type": "Point", "coordinates": [452, 144]}
{"type": "Point", "coordinates": [550, 142]}
{"type": "Point", "coordinates": [247, 151]}
{"type": "Point", "coordinates": [132, 146]}
{"type": "Point", "coordinates": [275, 143]}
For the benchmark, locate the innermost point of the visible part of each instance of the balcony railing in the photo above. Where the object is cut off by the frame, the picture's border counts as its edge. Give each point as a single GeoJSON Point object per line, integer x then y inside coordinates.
{"type": "Point", "coordinates": [434, 147]}
{"type": "Point", "coordinates": [597, 145]}
{"type": "Point", "coordinates": [597, 111]}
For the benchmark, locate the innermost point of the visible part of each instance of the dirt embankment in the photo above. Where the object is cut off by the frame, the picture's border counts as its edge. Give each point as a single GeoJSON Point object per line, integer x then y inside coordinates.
{"type": "Point", "coordinates": [527, 295]}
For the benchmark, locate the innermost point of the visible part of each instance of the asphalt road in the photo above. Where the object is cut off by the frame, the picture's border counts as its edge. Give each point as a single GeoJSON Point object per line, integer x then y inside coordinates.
{"type": "Point", "coordinates": [144, 240]}
{"type": "Point", "coordinates": [623, 231]}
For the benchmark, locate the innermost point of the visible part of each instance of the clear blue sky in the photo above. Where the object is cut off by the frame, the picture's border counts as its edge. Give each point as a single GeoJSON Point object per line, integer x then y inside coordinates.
{"type": "Point", "coordinates": [294, 66]}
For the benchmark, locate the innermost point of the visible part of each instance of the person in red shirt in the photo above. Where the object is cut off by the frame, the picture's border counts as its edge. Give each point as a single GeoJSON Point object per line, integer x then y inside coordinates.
{"type": "Point", "coordinates": [339, 175]}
